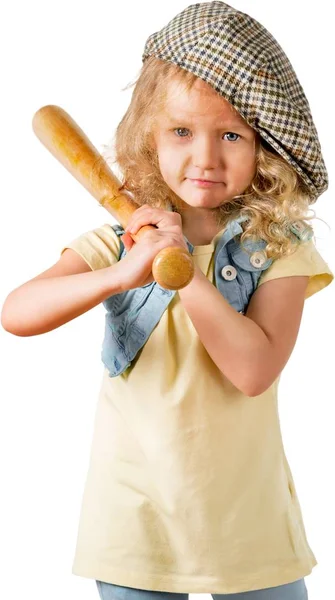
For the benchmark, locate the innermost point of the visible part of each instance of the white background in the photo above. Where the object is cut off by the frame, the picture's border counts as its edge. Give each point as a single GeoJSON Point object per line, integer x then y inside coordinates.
{"type": "Point", "coordinates": [80, 55]}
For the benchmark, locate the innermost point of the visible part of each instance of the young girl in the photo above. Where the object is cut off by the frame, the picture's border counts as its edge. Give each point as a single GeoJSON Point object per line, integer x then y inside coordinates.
{"type": "Point", "coordinates": [188, 488]}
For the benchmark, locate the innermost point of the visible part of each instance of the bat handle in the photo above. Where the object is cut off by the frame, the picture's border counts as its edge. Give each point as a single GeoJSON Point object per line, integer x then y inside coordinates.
{"type": "Point", "coordinates": [173, 267]}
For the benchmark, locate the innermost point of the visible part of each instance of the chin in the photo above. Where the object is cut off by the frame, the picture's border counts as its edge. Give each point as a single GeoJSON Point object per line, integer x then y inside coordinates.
{"type": "Point", "coordinates": [206, 200]}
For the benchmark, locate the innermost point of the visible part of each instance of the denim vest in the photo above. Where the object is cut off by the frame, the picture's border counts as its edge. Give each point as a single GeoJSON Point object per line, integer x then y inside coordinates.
{"type": "Point", "coordinates": [132, 315]}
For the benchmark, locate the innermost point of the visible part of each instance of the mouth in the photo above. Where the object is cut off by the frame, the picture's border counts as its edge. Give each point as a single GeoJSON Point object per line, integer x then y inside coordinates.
{"type": "Point", "coordinates": [205, 182]}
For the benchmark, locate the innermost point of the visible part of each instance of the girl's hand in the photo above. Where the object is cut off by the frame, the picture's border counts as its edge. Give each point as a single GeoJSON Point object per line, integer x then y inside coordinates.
{"type": "Point", "coordinates": [135, 267]}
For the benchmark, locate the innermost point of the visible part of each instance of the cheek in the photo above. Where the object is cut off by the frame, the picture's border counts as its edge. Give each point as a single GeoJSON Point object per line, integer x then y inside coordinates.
{"type": "Point", "coordinates": [248, 161]}
{"type": "Point", "coordinates": [169, 162]}
{"type": "Point", "coordinates": [163, 162]}
{"type": "Point", "coordinates": [243, 170]}
{"type": "Point", "coordinates": [165, 167]}
{"type": "Point", "coordinates": [253, 166]}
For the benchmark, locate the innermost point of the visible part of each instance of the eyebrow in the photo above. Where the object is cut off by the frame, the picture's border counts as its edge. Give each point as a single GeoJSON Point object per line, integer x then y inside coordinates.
{"type": "Point", "coordinates": [173, 120]}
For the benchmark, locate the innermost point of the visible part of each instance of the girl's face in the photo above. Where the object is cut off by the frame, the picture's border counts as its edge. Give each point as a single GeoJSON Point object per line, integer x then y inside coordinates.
{"type": "Point", "coordinates": [206, 150]}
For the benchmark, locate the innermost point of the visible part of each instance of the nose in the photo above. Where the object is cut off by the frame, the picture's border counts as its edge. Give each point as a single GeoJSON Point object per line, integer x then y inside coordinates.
{"type": "Point", "coordinates": [205, 153]}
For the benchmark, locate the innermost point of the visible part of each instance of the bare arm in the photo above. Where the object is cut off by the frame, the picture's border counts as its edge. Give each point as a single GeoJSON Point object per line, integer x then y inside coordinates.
{"type": "Point", "coordinates": [62, 293]}
{"type": "Point", "coordinates": [250, 350]}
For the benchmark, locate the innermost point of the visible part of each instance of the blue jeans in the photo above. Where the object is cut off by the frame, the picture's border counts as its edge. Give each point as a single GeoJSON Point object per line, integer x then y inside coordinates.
{"type": "Point", "coordinates": [289, 591]}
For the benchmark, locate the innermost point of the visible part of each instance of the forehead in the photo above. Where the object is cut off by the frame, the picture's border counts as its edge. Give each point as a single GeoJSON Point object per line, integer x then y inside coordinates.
{"type": "Point", "coordinates": [199, 101]}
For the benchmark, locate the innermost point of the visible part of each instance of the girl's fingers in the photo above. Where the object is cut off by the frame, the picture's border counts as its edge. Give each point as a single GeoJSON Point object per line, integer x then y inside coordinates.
{"type": "Point", "coordinates": [127, 241]}
{"type": "Point", "coordinates": [132, 224]}
{"type": "Point", "coordinates": [137, 222]}
{"type": "Point", "coordinates": [146, 215]}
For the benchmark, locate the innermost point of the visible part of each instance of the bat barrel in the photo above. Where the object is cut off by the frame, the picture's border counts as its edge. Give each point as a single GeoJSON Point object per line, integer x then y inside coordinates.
{"type": "Point", "coordinates": [173, 267]}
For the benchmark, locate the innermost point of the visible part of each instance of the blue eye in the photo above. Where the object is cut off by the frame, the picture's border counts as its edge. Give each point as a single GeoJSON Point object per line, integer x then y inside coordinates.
{"type": "Point", "coordinates": [231, 133]}
{"type": "Point", "coordinates": [184, 132]}
{"type": "Point", "coordinates": [181, 129]}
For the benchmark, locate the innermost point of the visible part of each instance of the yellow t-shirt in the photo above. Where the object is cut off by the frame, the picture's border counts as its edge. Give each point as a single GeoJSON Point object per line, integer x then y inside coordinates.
{"type": "Point", "coordinates": [188, 488]}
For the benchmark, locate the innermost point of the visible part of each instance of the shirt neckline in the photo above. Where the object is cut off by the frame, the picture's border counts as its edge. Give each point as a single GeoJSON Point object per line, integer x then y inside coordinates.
{"type": "Point", "coordinates": [208, 248]}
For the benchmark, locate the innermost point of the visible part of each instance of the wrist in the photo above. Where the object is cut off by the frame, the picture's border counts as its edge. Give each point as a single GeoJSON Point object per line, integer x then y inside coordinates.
{"type": "Point", "coordinates": [112, 281]}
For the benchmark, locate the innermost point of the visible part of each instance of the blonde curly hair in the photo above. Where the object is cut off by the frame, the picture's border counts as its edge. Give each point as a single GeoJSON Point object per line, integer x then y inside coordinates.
{"type": "Point", "coordinates": [276, 199]}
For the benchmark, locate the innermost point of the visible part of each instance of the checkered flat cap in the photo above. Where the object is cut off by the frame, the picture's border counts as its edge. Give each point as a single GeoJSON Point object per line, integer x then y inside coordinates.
{"type": "Point", "coordinates": [242, 61]}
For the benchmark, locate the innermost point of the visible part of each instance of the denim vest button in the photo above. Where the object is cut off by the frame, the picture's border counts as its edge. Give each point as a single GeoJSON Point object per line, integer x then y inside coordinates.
{"type": "Point", "coordinates": [258, 259]}
{"type": "Point", "coordinates": [229, 273]}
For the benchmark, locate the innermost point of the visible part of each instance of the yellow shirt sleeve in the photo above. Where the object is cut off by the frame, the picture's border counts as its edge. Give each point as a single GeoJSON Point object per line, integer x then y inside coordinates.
{"type": "Point", "coordinates": [100, 247]}
{"type": "Point", "coordinates": [306, 260]}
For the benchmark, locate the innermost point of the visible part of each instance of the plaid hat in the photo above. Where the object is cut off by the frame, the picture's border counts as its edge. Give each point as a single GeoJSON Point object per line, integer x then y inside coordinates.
{"type": "Point", "coordinates": [242, 61]}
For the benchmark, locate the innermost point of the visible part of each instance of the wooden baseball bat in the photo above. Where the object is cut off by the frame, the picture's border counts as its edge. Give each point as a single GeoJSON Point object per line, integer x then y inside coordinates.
{"type": "Point", "coordinates": [173, 267]}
